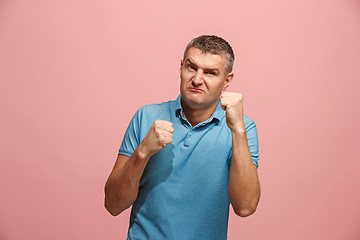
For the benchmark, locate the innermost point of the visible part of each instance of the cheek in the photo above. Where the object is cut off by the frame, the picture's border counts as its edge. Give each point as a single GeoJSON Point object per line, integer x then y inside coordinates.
{"type": "Point", "coordinates": [182, 80]}
{"type": "Point", "coordinates": [216, 86]}
{"type": "Point", "coordinates": [185, 77]}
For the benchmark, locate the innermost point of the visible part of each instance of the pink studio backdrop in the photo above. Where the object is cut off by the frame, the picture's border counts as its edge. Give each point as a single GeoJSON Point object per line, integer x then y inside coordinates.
{"type": "Point", "coordinates": [74, 72]}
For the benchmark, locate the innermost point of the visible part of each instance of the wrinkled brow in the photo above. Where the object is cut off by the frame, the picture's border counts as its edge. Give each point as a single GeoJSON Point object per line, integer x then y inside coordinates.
{"type": "Point", "coordinates": [206, 69]}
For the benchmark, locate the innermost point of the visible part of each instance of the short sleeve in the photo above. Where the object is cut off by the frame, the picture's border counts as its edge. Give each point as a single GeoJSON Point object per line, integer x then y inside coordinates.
{"type": "Point", "coordinates": [131, 138]}
{"type": "Point", "coordinates": [252, 139]}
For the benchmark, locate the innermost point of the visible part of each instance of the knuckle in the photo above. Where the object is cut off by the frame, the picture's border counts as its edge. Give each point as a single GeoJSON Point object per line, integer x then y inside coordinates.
{"type": "Point", "coordinates": [163, 143]}
{"type": "Point", "coordinates": [156, 129]}
{"type": "Point", "coordinates": [158, 133]}
{"type": "Point", "coordinates": [157, 122]}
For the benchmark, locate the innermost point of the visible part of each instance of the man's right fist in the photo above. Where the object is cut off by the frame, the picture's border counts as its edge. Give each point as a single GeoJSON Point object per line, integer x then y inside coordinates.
{"type": "Point", "coordinates": [159, 135]}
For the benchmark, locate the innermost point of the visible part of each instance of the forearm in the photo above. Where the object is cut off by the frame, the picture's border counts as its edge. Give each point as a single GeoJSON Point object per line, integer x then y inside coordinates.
{"type": "Point", "coordinates": [244, 186]}
{"type": "Point", "coordinates": [122, 186]}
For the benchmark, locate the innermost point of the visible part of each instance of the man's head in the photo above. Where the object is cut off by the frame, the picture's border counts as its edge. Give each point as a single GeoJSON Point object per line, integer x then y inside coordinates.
{"type": "Point", "coordinates": [215, 45]}
{"type": "Point", "coordinates": [206, 71]}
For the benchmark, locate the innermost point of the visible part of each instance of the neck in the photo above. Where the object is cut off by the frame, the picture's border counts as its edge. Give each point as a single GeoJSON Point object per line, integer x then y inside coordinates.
{"type": "Point", "coordinates": [196, 116]}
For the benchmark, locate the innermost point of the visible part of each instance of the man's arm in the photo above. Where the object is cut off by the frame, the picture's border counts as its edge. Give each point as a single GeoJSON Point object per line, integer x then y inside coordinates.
{"type": "Point", "coordinates": [122, 186]}
{"type": "Point", "coordinates": [244, 185]}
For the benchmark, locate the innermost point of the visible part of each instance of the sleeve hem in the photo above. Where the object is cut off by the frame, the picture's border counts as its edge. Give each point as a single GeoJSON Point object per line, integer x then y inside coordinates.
{"type": "Point", "coordinates": [128, 154]}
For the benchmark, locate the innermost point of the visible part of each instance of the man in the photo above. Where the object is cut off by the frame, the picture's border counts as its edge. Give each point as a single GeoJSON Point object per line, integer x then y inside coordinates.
{"type": "Point", "coordinates": [182, 162]}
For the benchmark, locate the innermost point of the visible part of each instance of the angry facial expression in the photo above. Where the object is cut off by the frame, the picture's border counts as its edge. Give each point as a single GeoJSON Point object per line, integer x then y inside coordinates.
{"type": "Point", "coordinates": [203, 78]}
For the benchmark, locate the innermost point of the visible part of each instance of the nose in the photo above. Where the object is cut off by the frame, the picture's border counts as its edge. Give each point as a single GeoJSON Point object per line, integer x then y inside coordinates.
{"type": "Point", "coordinates": [197, 80]}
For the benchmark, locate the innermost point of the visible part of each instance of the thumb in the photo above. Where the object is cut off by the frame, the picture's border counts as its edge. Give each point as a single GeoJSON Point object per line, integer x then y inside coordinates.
{"type": "Point", "coordinates": [223, 104]}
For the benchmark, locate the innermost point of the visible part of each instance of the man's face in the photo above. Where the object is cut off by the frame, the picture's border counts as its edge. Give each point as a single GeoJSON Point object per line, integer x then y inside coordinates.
{"type": "Point", "coordinates": [203, 78]}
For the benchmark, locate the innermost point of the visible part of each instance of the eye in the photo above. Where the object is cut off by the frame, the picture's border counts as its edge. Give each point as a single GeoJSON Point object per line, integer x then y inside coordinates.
{"type": "Point", "coordinates": [210, 73]}
{"type": "Point", "coordinates": [191, 67]}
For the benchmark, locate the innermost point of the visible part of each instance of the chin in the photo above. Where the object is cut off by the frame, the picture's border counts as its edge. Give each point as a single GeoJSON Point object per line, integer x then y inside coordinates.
{"type": "Point", "coordinates": [191, 97]}
{"type": "Point", "coordinates": [194, 103]}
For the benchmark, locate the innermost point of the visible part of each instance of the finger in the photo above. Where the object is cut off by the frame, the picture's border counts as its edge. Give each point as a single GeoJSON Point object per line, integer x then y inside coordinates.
{"type": "Point", "coordinates": [168, 140]}
{"type": "Point", "coordinates": [223, 104]}
{"type": "Point", "coordinates": [163, 122]}
{"type": "Point", "coordinates": [165, 141]}
{"type": "Point", "coordinates": [225, 99]}
{"type": "Point", "coordinates": [166, 128]}
{"type": "Point", "coordinates": [225, 94]}
{"type": "Point", "coordinates": [164, 133]}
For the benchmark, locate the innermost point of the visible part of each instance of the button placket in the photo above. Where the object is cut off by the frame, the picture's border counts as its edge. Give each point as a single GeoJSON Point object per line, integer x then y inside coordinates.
{"type": "Point", "coordinates": [187, 141]}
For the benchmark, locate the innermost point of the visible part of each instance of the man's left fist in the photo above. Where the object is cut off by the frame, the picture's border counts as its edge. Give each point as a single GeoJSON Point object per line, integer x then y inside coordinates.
{"type": "Point", "coordinates": [232, 103]}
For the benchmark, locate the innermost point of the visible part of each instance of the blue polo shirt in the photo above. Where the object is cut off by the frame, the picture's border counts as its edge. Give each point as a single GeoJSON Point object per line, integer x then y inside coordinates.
{"type": "Point", "coordinates": [183, 192]}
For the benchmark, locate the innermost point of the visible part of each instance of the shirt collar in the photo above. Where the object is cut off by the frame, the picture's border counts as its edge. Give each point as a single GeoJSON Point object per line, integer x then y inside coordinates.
{"type": "Point", "coordinates": [217, 115]}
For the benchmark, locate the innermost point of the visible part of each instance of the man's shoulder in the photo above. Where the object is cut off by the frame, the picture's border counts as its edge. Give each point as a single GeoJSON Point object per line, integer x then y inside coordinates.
{"type": "Point", "coordinates": [157, 106]}
{"type": "Point", "coordinates": [155, 109]}
{"type": "Point", "coordinates": [248, 122]}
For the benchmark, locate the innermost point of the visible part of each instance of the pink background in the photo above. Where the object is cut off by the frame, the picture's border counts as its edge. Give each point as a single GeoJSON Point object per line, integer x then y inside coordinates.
{"type": "Point", "coordinates": [74, 72]}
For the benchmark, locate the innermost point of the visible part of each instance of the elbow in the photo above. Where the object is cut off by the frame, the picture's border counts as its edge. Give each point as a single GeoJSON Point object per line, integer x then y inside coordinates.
{"type": "Point", "coordinates": [116, 200]}
{"type": "Point", "coordinates": [112, 203]}
{"type": "Point", "coordinates": [244, 212]}
{"type": "Point", "coordinates": [109, 204]}
{"type": "Point", "coordinates": [116, 207]}
{"type": "Point", "coordinates": [111, 209]}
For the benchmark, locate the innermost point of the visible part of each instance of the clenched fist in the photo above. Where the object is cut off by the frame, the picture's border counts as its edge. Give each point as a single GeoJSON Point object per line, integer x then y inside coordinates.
{"type": "Point", "coordinates": [159, 135]}
{"type": "Point", "coordinates": [232, 103]}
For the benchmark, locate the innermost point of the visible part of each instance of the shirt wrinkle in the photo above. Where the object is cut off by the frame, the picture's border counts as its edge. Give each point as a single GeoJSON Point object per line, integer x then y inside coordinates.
{"type": "Point", "coordinates": [186, 178]}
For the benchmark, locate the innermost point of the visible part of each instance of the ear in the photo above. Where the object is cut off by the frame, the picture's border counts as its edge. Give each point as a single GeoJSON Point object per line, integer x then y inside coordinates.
{"type": "Point", "coordinates": [228, 80]}
{"type": "Point", "coordinates": [181, 64]}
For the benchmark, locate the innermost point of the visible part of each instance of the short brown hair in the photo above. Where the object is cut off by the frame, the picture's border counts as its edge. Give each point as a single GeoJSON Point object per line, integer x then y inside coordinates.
{"type": "Point", "coordinates": [215, 45]}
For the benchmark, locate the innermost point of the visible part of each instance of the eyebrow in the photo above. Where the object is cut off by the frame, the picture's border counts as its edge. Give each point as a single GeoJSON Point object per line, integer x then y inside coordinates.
{"type": "Point", "coordinates": [206, 69]}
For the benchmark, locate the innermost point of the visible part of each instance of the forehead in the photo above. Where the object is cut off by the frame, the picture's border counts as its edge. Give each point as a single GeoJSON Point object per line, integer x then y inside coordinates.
{"type": "Point", "coordinates": [205, 59]}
